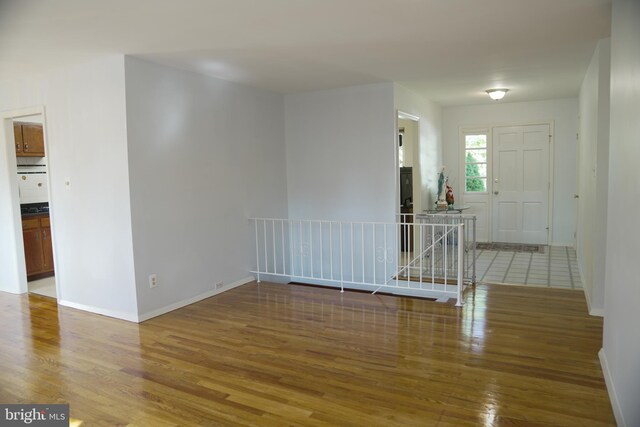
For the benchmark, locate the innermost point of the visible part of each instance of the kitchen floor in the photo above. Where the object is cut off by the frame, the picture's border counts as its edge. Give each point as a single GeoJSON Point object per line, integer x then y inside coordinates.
{"type": "Point", "coordinates": [556, 267]}
{"type": "Point", "coordinates": [46, 287]}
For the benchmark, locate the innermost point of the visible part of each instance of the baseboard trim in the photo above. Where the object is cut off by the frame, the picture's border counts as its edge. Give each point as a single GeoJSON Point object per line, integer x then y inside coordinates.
{"type": "Point", "coordinates": [596, 312]}
{"type": "Point", "coordinates": [599, 312]}
{"type": "Point", "coordinates": [592, 311]}
{"type": "Point", "coordinates": [192, 300]}
{"type": "Point", "coordinates": [613, 397]}
{"type": "Point", "coordinates": [97, 310]}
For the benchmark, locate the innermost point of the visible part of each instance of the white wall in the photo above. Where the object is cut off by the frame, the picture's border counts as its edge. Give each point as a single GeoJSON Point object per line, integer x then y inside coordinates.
{"type": "Point", "coordinates": [87, 142]}
{"type": "Point", "coordinates": [204, 156]}
{"type": "Point", "coordinates": [430, 143]}
{"type": "Point", "coordinates": [342, 160]}
{"type": "Point", "coordinates": [341, 154]}
{"type": "Point", "coordinates": [621, 351]}
{"type": "Point", "coordinates": [564, 114]}
{"type": "Point", "coordinates": [593, 170]}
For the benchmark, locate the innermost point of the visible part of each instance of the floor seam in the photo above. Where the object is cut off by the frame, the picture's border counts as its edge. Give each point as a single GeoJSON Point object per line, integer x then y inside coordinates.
{"type": "Point", "coordinates": [549, 268]}
{"type": "Point", "coordinates": [569, 266]}
{"type": "Point", "coordinates": [526, 277]}
{"type": "Point", "coordinates": [504, 279]}
{"type": "Point", "coordinates": [490, 264]}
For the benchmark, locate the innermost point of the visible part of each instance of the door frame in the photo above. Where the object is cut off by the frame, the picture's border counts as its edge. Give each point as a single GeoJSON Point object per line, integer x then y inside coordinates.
{"type": "Point", "coordinates": [14, 280]}
{"type": "Point", "coordinates": [400, 114]}
{"type": "Point", "coordinates": [488, 128]}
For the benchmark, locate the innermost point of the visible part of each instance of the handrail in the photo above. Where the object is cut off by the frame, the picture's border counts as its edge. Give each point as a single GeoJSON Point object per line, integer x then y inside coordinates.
{"type": "Point", "coordinates": [363, 254]}
{"type": "Point", "coordinates": [428, 248]}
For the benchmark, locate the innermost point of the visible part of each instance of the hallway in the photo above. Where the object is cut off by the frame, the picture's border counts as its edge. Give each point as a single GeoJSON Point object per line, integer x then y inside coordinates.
{"type": "Point", "coordinates": [555, 267]}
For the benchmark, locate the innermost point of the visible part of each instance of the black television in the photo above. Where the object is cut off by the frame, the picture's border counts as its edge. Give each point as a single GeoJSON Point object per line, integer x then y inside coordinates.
{"type": "Point", "coordinates": [406, 187]}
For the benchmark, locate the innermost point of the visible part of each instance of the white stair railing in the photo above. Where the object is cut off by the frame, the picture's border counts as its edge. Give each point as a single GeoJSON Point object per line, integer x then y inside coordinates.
{"type": "Point", "coordinates": [469, 222]}
{"type": "Point", "coordinates": [363, 255]}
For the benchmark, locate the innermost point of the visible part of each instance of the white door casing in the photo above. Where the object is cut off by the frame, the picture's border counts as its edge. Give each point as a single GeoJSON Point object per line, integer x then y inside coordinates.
{"type": "Point", "coordinates": [520, 190]}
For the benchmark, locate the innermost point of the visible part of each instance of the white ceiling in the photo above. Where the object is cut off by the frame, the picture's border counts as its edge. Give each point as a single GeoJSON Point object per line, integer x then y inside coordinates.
{"type": "Point", "coordinates": [449, 50]}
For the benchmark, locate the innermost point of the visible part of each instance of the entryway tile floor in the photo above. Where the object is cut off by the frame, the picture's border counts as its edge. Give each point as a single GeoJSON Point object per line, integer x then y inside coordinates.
{"type": "Point", "coordinates": [557, 267]}
{"type": "Point", "coordinates": [46, 287]}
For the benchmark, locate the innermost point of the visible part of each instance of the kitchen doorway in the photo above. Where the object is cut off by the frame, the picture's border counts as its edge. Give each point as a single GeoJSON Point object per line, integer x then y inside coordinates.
{"type": "Point", "coordinates": [27, 192]}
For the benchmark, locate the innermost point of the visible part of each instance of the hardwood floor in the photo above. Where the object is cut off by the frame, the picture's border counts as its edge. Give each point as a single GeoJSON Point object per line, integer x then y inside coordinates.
{"type": "Point", "coordinates": [292, 355]}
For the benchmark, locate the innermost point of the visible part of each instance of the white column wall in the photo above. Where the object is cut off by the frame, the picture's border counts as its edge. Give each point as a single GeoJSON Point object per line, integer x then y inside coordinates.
{"type": "Point", "coordinates": [341, 154]}
{"type": "Point", "coordinates": [593, 171]}
{"type": "Point", "coordinates": [87, 143]}
{"type": "Point", "coordinates": [621, 351]}
{"type": "Point", "coordinates": [204, 156]}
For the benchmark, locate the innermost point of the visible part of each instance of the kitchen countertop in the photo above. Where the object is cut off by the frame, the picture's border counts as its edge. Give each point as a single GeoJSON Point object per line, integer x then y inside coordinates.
{"type": "Point", "coordinates": [32, 215]}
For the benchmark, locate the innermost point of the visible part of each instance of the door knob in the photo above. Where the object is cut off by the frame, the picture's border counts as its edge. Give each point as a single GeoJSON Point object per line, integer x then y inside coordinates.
{"type": "Point", "coordinates": [496, 192]}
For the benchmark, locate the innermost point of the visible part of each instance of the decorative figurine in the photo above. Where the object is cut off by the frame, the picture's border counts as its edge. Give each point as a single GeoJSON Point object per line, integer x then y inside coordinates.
{"type": "Point", "coordinates": [449, 197]}
{"type": "Point", "coordinates": [441, 204]}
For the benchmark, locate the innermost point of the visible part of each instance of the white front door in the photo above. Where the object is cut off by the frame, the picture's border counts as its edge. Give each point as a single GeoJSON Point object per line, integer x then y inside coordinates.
{"type": "Point", "coordinates": [521, 184]}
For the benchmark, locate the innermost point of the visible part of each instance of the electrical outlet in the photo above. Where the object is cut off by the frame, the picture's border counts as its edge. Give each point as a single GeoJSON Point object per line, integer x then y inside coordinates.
{"type": "Point", "coordinates": [219, 285]}
{"type": "Point", "coordinates": [153, 280]}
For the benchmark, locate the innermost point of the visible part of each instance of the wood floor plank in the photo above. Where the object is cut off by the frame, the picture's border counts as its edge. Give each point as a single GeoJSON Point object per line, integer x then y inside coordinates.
{"type": "Point", "coordinates": [271, 355]}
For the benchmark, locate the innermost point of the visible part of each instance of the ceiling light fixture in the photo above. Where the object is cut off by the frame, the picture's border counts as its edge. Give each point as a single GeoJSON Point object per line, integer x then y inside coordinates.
{"type": "Point", "coordinates": [497, 94]}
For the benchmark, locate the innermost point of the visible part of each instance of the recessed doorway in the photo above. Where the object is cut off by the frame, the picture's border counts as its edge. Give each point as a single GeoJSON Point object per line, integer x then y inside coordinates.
{"type": "Point", "coordinates": [26, 196]}
{"type": "Point", "coordinates": [409, 199]}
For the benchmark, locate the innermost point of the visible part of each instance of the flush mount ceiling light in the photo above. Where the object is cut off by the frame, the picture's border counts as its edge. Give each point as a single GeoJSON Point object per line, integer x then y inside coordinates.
{"type": "Point", "coordinates": [497, 94]}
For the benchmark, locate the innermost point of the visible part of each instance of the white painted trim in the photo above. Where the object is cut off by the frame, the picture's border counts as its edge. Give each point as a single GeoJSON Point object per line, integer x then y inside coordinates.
{"type": "Point", "coordinates": [101, 311]}
{"type": "Point", "coordinates": [396, 162]}
{"type": "Point", "coordinates": [597, 312]}
{"type": "Point", "coordinates": [592, 311]}
{"type": "Point", "coordinates": [462, 170]}
{"type": "Point", "coordinates": [22, 112]}
{"type": "Point", "coordinates": [552, 156]}
{"type": "Point", "coordinates": [613, 397]}
{"type": "Point", "coordinates": [426, 293]}
{"type": "Point", "coordinates": [407, 116]}
{"type": "Point", "coordinates": [189, 301]}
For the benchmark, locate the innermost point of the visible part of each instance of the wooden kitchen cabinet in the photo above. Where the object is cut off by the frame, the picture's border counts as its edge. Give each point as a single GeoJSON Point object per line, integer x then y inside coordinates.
{"type": "Point", "coordinates": [38, 250]}
{"type": "Point", "coordinates": [33, 251]}
{"type": "Point", "coordinates": [47, 246]}
{"type": "Point", "coordinates": [17, 132]}
{"type": "Point", "coordinates": [29, 139]}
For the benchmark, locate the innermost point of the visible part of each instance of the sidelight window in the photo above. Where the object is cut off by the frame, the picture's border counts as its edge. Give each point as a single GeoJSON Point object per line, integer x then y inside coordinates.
{"type": "Point", "coordinates": [475, 161]}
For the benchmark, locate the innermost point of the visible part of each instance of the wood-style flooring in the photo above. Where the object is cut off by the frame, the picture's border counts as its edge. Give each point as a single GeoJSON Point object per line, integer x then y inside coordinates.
{"type": "Point", "coordinates": [273, 355]}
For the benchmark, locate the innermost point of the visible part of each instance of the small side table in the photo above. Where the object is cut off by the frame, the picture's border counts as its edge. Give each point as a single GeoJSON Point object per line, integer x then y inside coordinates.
{"type": "Point", "coordinates": [451, 210]}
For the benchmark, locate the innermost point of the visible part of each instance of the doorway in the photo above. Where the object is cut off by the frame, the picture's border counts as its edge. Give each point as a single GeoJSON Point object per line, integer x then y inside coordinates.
{"type": "Point", "coordinates": [520, 197]}
{"type": "Point", "coordinates": [409, 199]}
{"type": "Point", "coordinates": [26, 191]}
{"type": "Point", "coordinates": [507, 181]}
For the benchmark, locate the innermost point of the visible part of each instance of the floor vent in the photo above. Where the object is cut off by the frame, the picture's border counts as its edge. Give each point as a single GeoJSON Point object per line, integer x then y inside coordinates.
{"type": "Point", "coordinates": [511, 247]}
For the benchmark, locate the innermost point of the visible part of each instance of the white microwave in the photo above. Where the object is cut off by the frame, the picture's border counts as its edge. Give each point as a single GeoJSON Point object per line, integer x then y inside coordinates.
{"type": "Point", "coordinates": [32, 184]}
